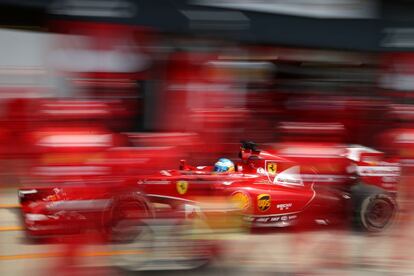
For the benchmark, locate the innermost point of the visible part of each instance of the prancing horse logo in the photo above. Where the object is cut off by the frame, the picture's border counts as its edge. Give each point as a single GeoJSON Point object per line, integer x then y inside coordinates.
{"type": "Point", "coordinates": [271, 167]}
{"type": "Point", "coordinates": [271, 170]}
{"type": "Point", "coordinates": [182, 187]}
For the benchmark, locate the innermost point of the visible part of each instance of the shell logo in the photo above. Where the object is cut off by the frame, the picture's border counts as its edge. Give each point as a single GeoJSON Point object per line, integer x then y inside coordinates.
{"type": "Point", "coordinates": [241, 200]}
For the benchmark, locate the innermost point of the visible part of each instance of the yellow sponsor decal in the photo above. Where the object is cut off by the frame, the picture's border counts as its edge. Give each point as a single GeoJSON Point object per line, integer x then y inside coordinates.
{"type": "Point", "coordinates": [241, 200]}
{"type": "Point", "coordinates": [263, 202]}
{"type": "Point", "coordinates": [182, 187]}
{"type": "Point", "coordinates": [271, 167]}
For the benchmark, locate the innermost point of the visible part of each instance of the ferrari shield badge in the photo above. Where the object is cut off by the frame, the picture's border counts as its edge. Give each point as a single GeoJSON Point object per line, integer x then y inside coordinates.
{"type": "Point", "coordinates": [271, 167]}
{"type": "Point", "coordinates": [182, 187]}
{"type": "Point", "coordinates": [271, 170]}
{"type": "Point", "coordinates": [263, 202]}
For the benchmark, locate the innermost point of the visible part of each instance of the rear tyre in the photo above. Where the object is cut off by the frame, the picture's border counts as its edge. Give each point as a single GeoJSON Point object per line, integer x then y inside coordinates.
{"type": "Point", "coordinates": [374, 210]}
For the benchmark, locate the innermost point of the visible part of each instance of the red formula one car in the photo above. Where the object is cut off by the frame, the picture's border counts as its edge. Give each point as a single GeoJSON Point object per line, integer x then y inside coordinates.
{"type": "Point", "coordinates": [271, 190]}
{"type": "Point", "coordinates": [268, 190]}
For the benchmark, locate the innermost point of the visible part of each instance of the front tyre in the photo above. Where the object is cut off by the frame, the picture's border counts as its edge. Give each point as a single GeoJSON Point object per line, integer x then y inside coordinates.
{"type": "Point", "coordinates": [126, 217]}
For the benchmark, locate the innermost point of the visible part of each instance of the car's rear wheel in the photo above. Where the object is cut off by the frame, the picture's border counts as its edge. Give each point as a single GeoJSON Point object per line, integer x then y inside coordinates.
{"type": "Point", "coordinates": [376, 212]}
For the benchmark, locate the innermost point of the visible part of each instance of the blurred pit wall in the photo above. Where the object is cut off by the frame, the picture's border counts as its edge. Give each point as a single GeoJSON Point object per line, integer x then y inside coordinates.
{"type": "Point", "coordinates": [196, 94]}
{"type": "Point", "coordinates": [66, 90]}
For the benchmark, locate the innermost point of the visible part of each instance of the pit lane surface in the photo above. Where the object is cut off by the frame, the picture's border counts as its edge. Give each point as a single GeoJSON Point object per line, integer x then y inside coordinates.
{"type": "Point", "coordinates": [330, 252]}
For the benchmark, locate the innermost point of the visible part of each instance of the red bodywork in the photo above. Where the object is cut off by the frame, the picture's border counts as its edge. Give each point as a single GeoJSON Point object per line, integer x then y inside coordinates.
{"type": "Point", "coordinates": [288, 188]}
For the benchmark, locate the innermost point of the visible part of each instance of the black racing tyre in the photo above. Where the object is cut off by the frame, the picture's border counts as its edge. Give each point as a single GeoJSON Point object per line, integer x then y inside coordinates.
{"type": "Point", "coordinates": [126, 216]}
{"type": "Point", "coordinates": [374, 210]}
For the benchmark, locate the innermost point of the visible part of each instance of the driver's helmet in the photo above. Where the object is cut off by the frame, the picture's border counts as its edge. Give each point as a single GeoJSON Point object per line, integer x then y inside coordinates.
{"type": "Point", "coordinates": [224, 165]}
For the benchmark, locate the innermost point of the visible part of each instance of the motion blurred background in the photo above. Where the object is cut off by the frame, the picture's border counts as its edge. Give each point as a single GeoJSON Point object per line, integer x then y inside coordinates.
{"type": "Point", "coordinates": [122, 87]}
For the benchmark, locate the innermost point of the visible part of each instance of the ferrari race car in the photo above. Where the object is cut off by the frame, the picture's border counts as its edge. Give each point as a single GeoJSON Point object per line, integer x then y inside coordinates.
{"type": "Point", "coordinates": [272, 188]}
